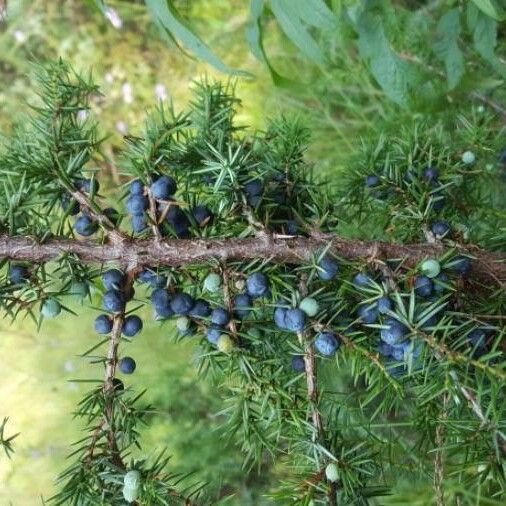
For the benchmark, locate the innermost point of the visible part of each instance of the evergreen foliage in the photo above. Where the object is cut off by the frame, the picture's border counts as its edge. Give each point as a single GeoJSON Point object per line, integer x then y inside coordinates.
{"type": "Point", "coordinates": [418, 345]}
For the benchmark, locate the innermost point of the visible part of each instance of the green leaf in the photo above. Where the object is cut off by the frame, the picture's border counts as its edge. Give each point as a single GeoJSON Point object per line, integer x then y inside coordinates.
{"type": "Point", "coordinates": [395, 76]}
{"type": "Point", "coordinates": [166, 15]}
{"type": "Point", "coordinates": [296, 30]}
{"type": "Point", "coordinates": [254, 39]}
{"type": "Point", "coordinates": [484, 30]}
{"type": "Point", "coordinates": [313, 12]}
{"type": "Point", "coordinates": [491, 8]}
{"type": "Point", "coordinates": [447, 48]}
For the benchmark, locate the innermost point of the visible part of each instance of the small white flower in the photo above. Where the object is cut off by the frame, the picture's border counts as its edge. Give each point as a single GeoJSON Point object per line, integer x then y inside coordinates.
{"type": "Point", "coordinates": [109, 78]}
{"type": "Point", "coordinates": [20, 36]}
{"type": "Point", "coordinates": [127, 91]}
{"type": "Point", "coordinates": [122, 127]}
{"type": "Point", "coordinates": [161, 91]}
{"type": "Point", "coordinates": [82, 115]}
{"type": "Point", "coordinates": [113, 16]}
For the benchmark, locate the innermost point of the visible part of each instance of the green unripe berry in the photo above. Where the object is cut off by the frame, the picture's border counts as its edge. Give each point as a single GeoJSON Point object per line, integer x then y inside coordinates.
{"type": "Point", "coordinates": [130, 494]}
{"type": "Point", "coordinates": [183, 323]}
{"type": "Point", "coordinates": [212, 283]}
{"type": "Point", "coordinates": [132, 479]}
{"type": "Point", "coordinates": [430, 268]}
{"type": "Point", "coordinates": [51, 308]}
{"type": "Point", "coordinates": [468, 157]}
{"type": "Point", "coordinates": [458, 180]}
{"type": "Point", "coordinates": [79, 289]}
{"type": "Point", "coordinates": [254, 333]}
{"type": "Point", "coordinates": [309, 306]}
{"type": "Point", "coordinates": [331, 472]}
{"type": "Point", "coordinates": [225, 343]}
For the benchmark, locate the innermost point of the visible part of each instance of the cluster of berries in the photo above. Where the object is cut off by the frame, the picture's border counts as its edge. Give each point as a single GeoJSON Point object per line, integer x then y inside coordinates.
{"type": "Point", "coordinates": [114, 302]}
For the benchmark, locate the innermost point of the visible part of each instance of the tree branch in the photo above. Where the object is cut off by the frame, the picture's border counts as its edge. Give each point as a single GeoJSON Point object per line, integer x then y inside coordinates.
{"type": "Point", "coordinates": [487, 266]}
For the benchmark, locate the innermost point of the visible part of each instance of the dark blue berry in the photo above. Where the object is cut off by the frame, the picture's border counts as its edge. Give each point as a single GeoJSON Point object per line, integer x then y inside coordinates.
{"type": "Point", "coordinates": [137, 204]}
{"type": "Point", "coordinates": [139, 223]}
{"type": "Point", "coordinates": [152, 278]}
{"type": "Point", "coordinates": [113, 278]}
{"type": "Point", "coordinates": [182, 230]}
{"type": "Point", "coordinates": [327, 343]}
{"type": "Point", "coordinates": [86, 185]}
{"type": "Point", "coordinates": [113, 301]}
{"type": "Point", "coordinates": [201, 309]}
{"type": "Point", "coordinates": [213, 333]}
{"type": "Point", "coordinates": [69, 205]}
{"type": "Point", "coordinates": [253, 188]}
{"type": "Point", "coordinates": [328, 268]}
{"type": "Point", "coordinates": [438, 203]}
{"type": "Point", "coordinates": [440, 281]}
{"type": "Point", "coordinates": [298, 364]}
{"type": "Point", "coordinates": [291, 227]}
{"type": "Point", "coordinates": [385, 349]}
{"type": "Point", "coordinates": [127, 365]}
{"type": "Point", "coordinates": [362, 280]}
{"type": "Point", "coordinates": [112, 214]}
{"type": "Point", "coordinates": [18, 274]}
{"type": "Point", "coordinates": [242, 305]}
{"type": "Point", "coordinates": [257, 285]}
{"type": "Point", "coordinates": [160, 298]}
{"type": "Point", "coordinates": [103, 324]}
{"type": "Point", "coordinates": [398, 351]}
{"type": "Point", "coordinates": [368, 313]}
{"type": "Point", "coordinates": [136, 187]}
{"type": "Point", "coordinates": [440, 228]}
{"type": "Point", "coordinates": [254, 200]}
{"type": "Point", "coordinates": [372, 181]}
{"type": "Point", "coordinates": [220, 316]}
{"type": "Point", "coordinates": [384, 304]}
{"type": "Point", "coordinates": [182, 303]}
{"type": "Point", "coordinates": [280, 317]}
{"type": "Point", "coordinates": [393, 331]}
{"type": "Point", "coordinates": [477, 338]}
{"type": "Point", "coordinates": [424, 286]}
{"type": "Point", "coordinates": [131, 326]}
{"type": "Point", "coordinates": [202, 215]}
{"type": "Point", "coordinates": [295, 320]}
{"type": "Point", "coordinates": [85, 226]}
{"type": "Point", "coordinates": [431, 174]}
{"type": "Point", "coordinates": [163, 187]}
{"type": "Point", "coordinates": [461, 265]}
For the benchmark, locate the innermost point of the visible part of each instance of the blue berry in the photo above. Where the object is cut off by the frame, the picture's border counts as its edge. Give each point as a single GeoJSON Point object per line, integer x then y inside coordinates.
{"type": "Point", "coordinates": [163, 187]}
{"type": "Point", "coordinates": [362, 280]}
{"type": "Point", "coordinates": [385, 349]}
{"type": "Point", "coordinates": [69, 205]}
{"type": "Point", "coordinates": [280, 317]}
{"type": "Point", "coordinates": [85, 226]}
{"type": "Point", "coordinates": [327, 343]}
{"type": "Point", "coordinates": [113, 278]}
{"type": "Point", "coordinates": [440, 281]}
{"type": "Point", "coordinates": [139, 223]}
{"type": "Point", "coordinates": [175, 216]}
{"type": "Point", "coordinates": [127, 365]}
{"type": "Point", "coordinates": [368, 314]}
{"type": "Point", "coordinates": [220, 316]}
{"type": "Point", "coordinates": [440, 228]}
{"type": "Point", "coordinates": [131, 326]}
{"type": "Point", "coordinates": [438, 203]}
{"type": "Point", "coordinates": [372, 181]}
{"type": "Point", "coordinates": [384, 304]}
{"type": "Point", "coordinates": [202, 215]}
{"type": "Point", "coordinates": [201, 309]}
{"type": "Point", "coordinates": [328, 268]}
{"type": "Point", "coordinates": [477, 338]}
{"type": "Point", "coordinates": [103, 324]}
{"type": "Point", "coordinates": [18, 274]}
{"type": "Point", "coordinates": [86, 185]}
{"type": "Point", "coordinates": [152, 278]}
{"type": "Point", "coordinates": [160, 298]}
{"type": "Point", "coordinates": [136, 187]}
{"type": "Point", "coordinates": [137, 204]}
{"type": "Point", "coordinates": [399, 350]}
{"type": "Point", "coordinates": [182, 303]}
{"type": "Point", "coordinates": [431, 174]}
{"type": "Point", "coordinates": [393, 331]}
{"type": "Point", "coordinates": [298, 364]}
{"type": "Point", "coordinates": [291, 227]}
{"type": "Point", "coordinates": [253, 188]}
{"type": "Point", "coordinates": [113, 301]}
{"type": "Point", "coordinates": [461, 265]}
{"type": "Point", "coordinates": [213, 333]}
{"type": "Point", "coordinates": [424, 286]}
{"type": "Point", "coordinates": [295, 320]}
{"type": "Point", "coordinates": [257, 285]}
{"type": "Point", "coordinates": [242, 305]}
{"type": "Point", "coordinates": [182, 230]}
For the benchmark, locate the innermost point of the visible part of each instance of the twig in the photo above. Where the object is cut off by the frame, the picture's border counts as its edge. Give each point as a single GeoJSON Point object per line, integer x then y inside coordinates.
{"type": "Point", "coordinates": [152, 213]}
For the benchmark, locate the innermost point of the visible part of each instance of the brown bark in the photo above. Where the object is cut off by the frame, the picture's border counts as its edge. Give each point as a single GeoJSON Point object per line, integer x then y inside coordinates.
{"type": "Point", "coordinates": [487, 266]}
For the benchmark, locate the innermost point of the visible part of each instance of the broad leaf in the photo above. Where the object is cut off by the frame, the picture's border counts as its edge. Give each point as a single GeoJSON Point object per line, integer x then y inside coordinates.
{"type": "Point", "coordinates": [491, 8]}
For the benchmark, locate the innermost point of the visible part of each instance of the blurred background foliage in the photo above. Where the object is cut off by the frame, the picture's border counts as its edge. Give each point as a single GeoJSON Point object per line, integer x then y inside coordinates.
{"type": "Point", "coordinates": [137, 65]}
